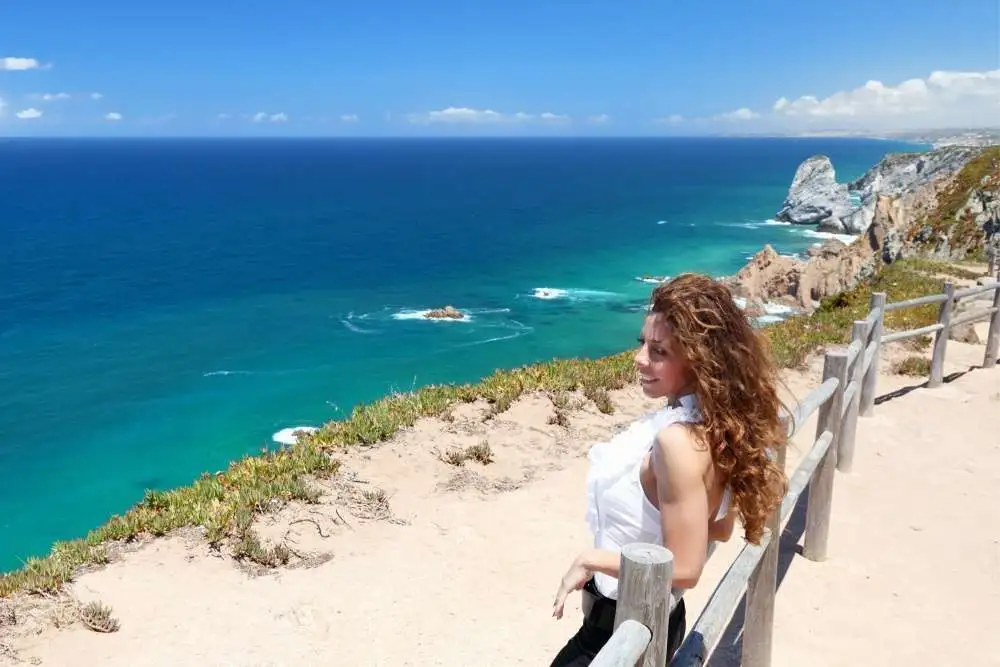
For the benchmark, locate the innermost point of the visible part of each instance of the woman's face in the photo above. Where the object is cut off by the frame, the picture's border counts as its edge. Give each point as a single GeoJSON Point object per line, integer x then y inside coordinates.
{"type": "Point", "coordinates": [662, 373]}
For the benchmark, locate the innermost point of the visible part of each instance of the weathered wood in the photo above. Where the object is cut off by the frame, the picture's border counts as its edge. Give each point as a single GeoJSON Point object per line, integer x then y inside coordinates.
{"type": "Point", "coordinates": [625, 646]}
{"type": "Point", "coordinates": [711, 624]}
{"type": "Point", "coordinates": [976, 289]}
{"type": "Point", "coordinates": [647, 572]}
{"type": "Point", "coordinates": [870, 352]}
{"type": "Point", "coordinates": [968, 318]}
{"type": "Point", "coordinates": [758, 623]}
{"type": "Point", "coordinates": [870, 384]}
{"type": "Point", "coordinates": [800, 479]}
{"type": "Point", "coordinates": [919, 301]}
{"type": "Point", "coordinates": [854, 350]}
{"type": "Point", "coordinates": [821, 486]}
{"type": "Point", "coordinates": [811, 403]}
{"type": "Point", "coordinates": [993, 337]}
{"type": "Point", "coordinates": [849, 393]}
{"type": "Point", "coordinates": [910, 333]}
{"type": "Point", "coordinates": [875, 314]}
{"type": "Point", "coordinates": [941, 337]}
{"type": "Point", "coordinates": [852, 403]}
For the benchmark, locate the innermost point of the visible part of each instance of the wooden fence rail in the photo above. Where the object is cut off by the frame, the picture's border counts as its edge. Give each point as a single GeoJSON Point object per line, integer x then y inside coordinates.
{"type": "Point", "coordinates": [848, 389]}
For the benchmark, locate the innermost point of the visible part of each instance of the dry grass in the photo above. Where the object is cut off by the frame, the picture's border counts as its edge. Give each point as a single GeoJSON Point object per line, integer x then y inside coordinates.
{"type": "Point", "coordinates": [98, 617]}
{"type": "Point", "coordinates": [912, 365]}
{"type": "Point", "coordinates": [481, 452]}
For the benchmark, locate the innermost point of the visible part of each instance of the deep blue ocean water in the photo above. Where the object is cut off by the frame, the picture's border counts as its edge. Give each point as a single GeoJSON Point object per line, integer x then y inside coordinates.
{"type": "Point", "coordinates": [167, 305]}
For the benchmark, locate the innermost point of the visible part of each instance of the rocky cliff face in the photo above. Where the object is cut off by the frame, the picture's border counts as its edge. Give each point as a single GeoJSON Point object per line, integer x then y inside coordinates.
{"type": "Point", "coordinates": [899, 173]}
{"type": "Point", "coordinates": [964, 220]}
{"type": "Point", "coordinates": [946, 207]}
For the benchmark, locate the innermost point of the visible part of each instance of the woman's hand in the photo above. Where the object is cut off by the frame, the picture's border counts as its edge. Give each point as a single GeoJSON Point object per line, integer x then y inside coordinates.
{"type": "Point", "coordinates": [574, 579]}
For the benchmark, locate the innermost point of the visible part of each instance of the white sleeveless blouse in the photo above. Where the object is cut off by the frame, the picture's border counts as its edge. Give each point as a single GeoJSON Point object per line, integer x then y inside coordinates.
{"type": "Point", "coordinates": [618, 510]}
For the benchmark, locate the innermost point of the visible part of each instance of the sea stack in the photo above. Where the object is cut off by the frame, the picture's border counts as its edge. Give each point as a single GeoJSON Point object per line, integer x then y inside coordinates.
{"type": "Point", "coordinates": [815, 197]}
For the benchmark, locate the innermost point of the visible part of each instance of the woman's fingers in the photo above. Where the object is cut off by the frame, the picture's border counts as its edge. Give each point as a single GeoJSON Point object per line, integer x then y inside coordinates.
{"type": "Point", "coordinates": [560, 602]}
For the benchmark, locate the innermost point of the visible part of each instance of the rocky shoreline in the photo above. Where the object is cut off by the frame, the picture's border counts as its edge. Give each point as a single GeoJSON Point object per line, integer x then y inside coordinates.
{"type": "Point", "coordinates": [904, 209]}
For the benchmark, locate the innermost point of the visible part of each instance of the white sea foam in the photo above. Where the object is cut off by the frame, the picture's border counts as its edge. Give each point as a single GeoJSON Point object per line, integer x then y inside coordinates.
{"type": "Point", "coordinates": [422, 315]}
{"type": "Point", "coordinates": [223, 373]}
{"type": "Point", "coordinates": [768, 319]}
{"type": "Point", "coordinates": [843, 238]}
{"type": "Point", "coordinates": [661, 222]}
{"type": "Point", "coordinates": [740, 301]}
{"type": "Point", "coordinates": [772, 308]}
{"type": "Point", "coordinates": [289, 436]}
{"type": "Point", "coordinates": [652, 280]}
{"type": "Point", "coordinates": [571, 294]}
{"type": "Point", "coordinates": [518, 329]}
{"type": "Point", "coordinates": [348, 322]}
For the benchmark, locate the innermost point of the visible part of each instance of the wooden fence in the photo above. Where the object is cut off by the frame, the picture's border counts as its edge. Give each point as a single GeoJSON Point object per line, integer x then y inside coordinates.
{"type": "Point", "coordinates": [848, 390]}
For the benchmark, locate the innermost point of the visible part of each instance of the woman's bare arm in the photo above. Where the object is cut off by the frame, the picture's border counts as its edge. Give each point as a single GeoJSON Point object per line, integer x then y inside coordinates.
{"type": "Point", "coordinates": [679, 464]}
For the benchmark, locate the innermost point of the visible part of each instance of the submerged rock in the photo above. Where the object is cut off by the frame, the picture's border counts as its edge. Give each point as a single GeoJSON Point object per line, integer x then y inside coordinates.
{"type": "Point", "coordinates": [815, 197]}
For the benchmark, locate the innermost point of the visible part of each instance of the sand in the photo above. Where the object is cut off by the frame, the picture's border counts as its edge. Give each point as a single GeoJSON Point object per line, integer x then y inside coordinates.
{"type": "Point", "coordinates": [461, 564]}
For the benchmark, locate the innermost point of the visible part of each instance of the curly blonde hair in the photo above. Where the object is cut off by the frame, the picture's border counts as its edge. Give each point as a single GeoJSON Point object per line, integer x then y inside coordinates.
{"type": "Point", "coordinates": [734, 378]}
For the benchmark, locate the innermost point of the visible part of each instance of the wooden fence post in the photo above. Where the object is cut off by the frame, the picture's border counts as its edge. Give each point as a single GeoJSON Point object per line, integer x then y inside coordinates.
{"type": "Point", "coordinates": [993, 337]}
{"type": "Point", "coordinates": [871, 376]}
{"type": "Point", "coordinates": [941, 337]}
{"type": "Point", "coordinates": [821, 486]}
{"type": "Point", "coordinates": [644, 582]}
{"type": "Point", "coordinates": [758, 622]}
{"type": "Point", "coordinates": [848, 430]}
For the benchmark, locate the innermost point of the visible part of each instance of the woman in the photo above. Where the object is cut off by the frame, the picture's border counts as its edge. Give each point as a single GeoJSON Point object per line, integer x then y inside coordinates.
{"type": "Point", "coordinates": [679, 476]}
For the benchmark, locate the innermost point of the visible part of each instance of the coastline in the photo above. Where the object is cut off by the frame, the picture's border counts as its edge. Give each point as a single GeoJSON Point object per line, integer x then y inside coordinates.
{"type": "Point", "coordinates": [369, 424]}
{"type": "Point", "coordinates": [150, 393]}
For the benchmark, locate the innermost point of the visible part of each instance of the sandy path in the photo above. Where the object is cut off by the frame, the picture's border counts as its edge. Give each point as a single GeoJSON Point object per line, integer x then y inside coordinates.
{"type": "Point", "coordinates": [469, 580]}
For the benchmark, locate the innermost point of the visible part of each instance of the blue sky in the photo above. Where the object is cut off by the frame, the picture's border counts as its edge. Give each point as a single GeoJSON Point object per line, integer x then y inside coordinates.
{"type": "Point", "coordinates": [396, 67]}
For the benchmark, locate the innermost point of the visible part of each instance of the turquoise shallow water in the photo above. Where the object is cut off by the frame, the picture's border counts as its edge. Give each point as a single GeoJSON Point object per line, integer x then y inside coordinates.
{"type": "Point", "coordinates": [168, 305]}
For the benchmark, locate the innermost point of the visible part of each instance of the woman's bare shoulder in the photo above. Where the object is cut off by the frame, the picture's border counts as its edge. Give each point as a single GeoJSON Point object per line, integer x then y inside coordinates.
{"type": "Point", "coordinates": [679, 451]}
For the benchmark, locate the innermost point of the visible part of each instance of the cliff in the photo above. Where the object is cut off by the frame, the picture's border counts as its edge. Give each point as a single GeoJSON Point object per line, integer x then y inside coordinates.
{"type": "Point", "coordinates": [944, 204]}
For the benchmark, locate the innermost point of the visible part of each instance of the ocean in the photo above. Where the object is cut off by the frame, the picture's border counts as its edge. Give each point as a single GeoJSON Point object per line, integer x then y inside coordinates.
{"type": "Point", "coordinates": [166, 306]}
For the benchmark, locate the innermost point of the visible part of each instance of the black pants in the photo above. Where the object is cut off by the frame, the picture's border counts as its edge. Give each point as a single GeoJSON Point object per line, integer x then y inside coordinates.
{"type": "Point", "coordinates": [598, 625]}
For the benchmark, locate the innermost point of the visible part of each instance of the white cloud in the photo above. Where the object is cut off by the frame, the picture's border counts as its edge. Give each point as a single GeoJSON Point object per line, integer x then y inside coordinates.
{"type": "Point", "coordinates": [29, 114]}
{"type": "Point", "coordinates": [743, 113]}
{"type": "Point", "coordinates": [96, 96]}
{"type": "Point", "coordinates": [599, 119]}
{"type": "Point", "coordinates": [14, 64]}
{"type": "Point", "coordinates": [49, 97]}
{"type": "Point", "coordinates": [469, 116]}
{"type": "Point", "coordinates": [3, 105]}
{"type": "Point", "coordinates": [113, 116]}
{"type": "Point", "coordinates": [349, 118]}
{"type": "Point", "coordinates": [261, 116]}
{"type": "Point", "coordinates": [944, 98]}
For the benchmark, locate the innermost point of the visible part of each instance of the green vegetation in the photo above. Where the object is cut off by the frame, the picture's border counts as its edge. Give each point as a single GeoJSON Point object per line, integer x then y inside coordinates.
{"type": "Point", "coordinates": [948, 217]}
{"type": "Point", "coordinates": [916, 366]}
{"type": "Point", "coordinates": [942, 268]}
{"type": "Point", "coordinates": [793, 340]}
{"type": "Point", "coordinates": [225, 504]}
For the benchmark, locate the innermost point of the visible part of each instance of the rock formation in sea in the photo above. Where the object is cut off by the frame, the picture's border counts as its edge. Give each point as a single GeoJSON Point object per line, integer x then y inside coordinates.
{"type": "Point", "coordinates": [945, 204]}
{"type": "Point", "coordinates": [446, 313]}
{"type": "Point", "coordinates": [815, 197]}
